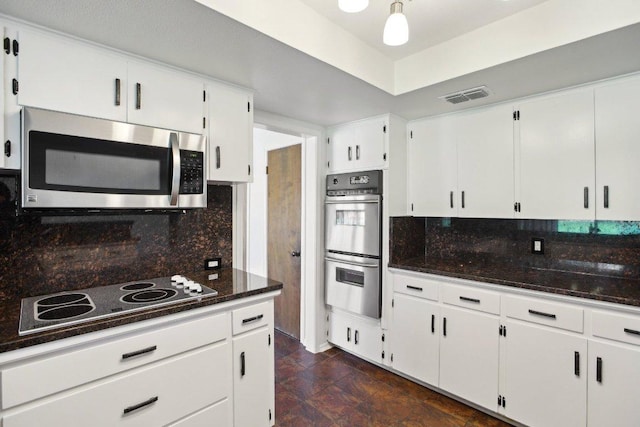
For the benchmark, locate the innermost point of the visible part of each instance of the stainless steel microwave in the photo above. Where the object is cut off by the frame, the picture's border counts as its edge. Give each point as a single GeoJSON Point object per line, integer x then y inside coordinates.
{"type": "Point", "coordinates": [72, 161]}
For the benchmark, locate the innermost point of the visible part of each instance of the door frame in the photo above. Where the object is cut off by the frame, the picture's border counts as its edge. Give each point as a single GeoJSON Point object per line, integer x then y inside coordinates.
{"type": "Point", "coordinates": [313, 313]}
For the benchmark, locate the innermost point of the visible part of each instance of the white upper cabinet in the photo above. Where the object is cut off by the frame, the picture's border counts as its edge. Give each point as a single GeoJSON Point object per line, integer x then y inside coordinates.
{"type": "Point", "coordinates": [66, 75]}
{"type": "Point", "coordinates": [556, 157]}
{"type": "Point", "coordinates": [617, 151]}
{"type": "Point", "coordinates": [462, 165]}
{"type": "Point", "coordinates": [230, 127]}
{"type": "Point", "coordinates": [432, 172]}
{"type": "Point", "coordinates": [485, 163]}
{"type": "Point", "coordinates": [358, 146]}
{"type": "Point", "coordinates": [161, 97]}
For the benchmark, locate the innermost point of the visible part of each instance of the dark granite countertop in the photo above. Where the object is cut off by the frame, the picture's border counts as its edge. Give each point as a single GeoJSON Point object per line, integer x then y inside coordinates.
{"type": "Point", "coordinates": [231, 284]}
{"type": "Point", "coordinates": [613, 289]}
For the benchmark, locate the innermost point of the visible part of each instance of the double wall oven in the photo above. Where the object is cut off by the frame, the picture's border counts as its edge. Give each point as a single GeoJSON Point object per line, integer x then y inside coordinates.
{"type": "Point", "coordinates": [353, 212]}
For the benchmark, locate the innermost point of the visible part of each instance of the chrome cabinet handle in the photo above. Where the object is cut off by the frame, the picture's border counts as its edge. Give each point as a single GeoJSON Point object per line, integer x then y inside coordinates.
{"type": "Point", "coordinates": [462, 197]}
{"type": "Point", "coordinates": [357, 152]}
{"type": "Point", "coordinates": [606, 197]}
{"type": "Point", "coordinates": [252, 319]}
{"type": "Point", "coordinates": [356, 337]}
{"type": "Point", "coordinates": [218, 157]}
{"type": "Point", "coordinates": [349, 153]}
{"type": "Point", "coordinates": [243, 367]}
{"type": "Point", "coordinates": [175, 155]}
{"type": "Point", "coordinates": [451, 199]}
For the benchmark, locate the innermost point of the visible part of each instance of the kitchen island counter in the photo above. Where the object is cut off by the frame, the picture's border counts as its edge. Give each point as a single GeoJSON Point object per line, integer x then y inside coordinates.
{"type": "Point", "coordinates": [231, 284]}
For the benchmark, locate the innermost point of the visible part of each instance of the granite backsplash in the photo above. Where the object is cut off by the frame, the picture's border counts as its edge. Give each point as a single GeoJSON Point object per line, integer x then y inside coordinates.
{"type": "Point", "coordinates": [45, 254]}
{"type": "Point", "coordinates": [600, 248]}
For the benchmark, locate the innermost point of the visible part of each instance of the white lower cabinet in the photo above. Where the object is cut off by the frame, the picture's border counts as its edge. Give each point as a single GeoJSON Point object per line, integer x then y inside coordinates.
{"type": "Point", "coordinates": [541, 362]}
{"type": "Point", "coordinates": [253, 366]}
{"type": "Point", "coordinates": [214, 367]}
{"type": "Point", "coordinates": [469, 355]}
{"type": "Point", "coordinates": [356, 334]}
{"type": "Point", "coordinates": [416, 338]}
{"type": "Point", "coordinates": [545, 376]}
{"type": "Point", "coordinates": [151, 396]}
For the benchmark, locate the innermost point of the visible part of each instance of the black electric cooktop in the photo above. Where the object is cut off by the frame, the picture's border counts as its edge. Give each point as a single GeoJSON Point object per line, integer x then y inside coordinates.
{"type": "Point", "coordinates": [46, 312]}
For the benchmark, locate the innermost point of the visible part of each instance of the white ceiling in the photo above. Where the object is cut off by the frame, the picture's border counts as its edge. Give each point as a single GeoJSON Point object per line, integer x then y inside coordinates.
{"type": "Point", "coordinates": [431, 22]}
{"type": "Point", "coordinates": [288, 82]}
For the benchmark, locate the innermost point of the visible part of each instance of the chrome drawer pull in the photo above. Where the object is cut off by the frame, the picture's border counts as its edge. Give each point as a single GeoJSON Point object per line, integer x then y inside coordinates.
{"type": "Point", "coordinates": [252, 319]}
{"type": "Point", "coordinates": [139, 352]}
{"type": "Point", "coordinates": [140, 405]}
{"type": "Point", "coordinates": [540, 313]}
{"type": "Point", "coordinates": [414, 288]}
{"type": "Point", "coordinates": [467, 299]}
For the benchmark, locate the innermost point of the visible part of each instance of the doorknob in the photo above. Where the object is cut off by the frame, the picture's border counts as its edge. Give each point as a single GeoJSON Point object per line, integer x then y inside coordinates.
{"type": "Point", "coordinates": [295, 253]}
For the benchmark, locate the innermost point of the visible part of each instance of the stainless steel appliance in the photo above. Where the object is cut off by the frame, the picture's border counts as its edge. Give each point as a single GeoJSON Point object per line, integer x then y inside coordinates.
{"type": "Point", "coordinates": [353, 210]}
{"type": "Point", "coordinates": [72, 161]}
{"type": "Point", "coordinates": [46, 312]}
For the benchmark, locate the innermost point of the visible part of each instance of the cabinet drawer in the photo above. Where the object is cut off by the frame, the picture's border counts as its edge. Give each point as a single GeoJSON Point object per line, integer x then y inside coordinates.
{"type": "Point", "coordinates": [215, 415]}
{"type": "Point", "coordinates": [252, 317]}
{"type": "Point", "coordinates": [545, 313]}
{"type": "Point", "coordinates": [474, 299]}
{"type": "Point", "coordinates": [617, 327]}
{"type": "Point", "coordinates": [23, 383]}
{"type": "Point", "coordinates": [423, 288]}
{"type": "Point", "coordinates": [149, 396]}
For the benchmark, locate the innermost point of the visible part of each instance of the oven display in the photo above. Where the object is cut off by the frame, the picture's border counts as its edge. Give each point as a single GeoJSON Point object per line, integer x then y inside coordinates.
{"type": "Point", "coordinates": [359, 179]}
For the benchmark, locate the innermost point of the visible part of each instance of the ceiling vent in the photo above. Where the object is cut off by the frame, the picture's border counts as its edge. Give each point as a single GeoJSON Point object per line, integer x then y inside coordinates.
{"type": "Point", "coordinates": [466, 95]}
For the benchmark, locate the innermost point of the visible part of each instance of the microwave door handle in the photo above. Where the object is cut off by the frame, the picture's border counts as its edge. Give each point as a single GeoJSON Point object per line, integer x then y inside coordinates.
{"type": "Point", "coordinates": [175, 179]}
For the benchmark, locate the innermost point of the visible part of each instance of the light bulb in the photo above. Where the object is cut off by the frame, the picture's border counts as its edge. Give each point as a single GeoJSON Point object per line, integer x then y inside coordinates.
{"type": "Point", "coordinates": [396, 29]}
{"type": "Point", "coordinates": [353, 6]}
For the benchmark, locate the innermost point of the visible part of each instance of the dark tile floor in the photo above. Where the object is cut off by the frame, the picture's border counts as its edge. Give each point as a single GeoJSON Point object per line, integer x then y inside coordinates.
{"type": "Point", "coordinates": [335, 388]}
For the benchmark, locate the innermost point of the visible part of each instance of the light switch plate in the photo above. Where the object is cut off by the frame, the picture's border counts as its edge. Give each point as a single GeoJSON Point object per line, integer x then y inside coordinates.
{"type": "Point", "coordinates": [537, 245]}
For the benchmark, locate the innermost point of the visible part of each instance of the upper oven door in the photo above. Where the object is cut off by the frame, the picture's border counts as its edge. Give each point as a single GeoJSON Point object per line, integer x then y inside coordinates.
{"type": "Point", "coordinates": [72, 161]}
{"type": "Point", "coordinates": [353, 224]}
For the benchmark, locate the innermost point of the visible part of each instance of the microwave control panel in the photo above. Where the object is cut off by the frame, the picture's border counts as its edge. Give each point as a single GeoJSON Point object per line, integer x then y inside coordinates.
{"type": "Point", "coordinates": [191, 172]}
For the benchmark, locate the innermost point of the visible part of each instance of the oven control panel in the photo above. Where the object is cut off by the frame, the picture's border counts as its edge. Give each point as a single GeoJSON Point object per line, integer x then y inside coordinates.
{"type": "Point", "coordinates": [354, 183]}
{"type": "Point", "coordinates": [191, 172]}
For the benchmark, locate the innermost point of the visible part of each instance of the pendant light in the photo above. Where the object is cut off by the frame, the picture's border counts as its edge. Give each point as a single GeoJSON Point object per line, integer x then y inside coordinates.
{"type": "Point", "coordinates": [353, 6]}
{"type": "Point", "coordinates": [396, 30]}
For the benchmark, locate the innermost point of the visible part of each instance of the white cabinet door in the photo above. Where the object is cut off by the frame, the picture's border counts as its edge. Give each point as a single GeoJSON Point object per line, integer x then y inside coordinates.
{"type": "Point", "coordinates": [485, 163]}
{"type": "Point", "coordinates": [617, 151]}
{"type": "Point", "coordinates": [469, 354]}
{"type": "Point", "coordinates": [358, 146]}
{"type": "Point", "coordinates": [165, 98]}
{"type": "Point", "coordinates": [556, 157]}
{"type": "Point", "coordinates": [433, 167]}
{"type": "Point", "coordinates": [614, 376]}
{"type": "Point", "coordinates": [230, 133]}
{"type": "Point", "coordinates": [252, 378]}
{"type": "Point", "coordinates": [65, 75]}
{"type": "Point", "coordinates": [545, 376]}
{"type": "Point", "coordinates": [340, 153]}
{"type": "Point", "coordinates": [416, 335]}
{"type": "Point", "coordinates": [369, 151]}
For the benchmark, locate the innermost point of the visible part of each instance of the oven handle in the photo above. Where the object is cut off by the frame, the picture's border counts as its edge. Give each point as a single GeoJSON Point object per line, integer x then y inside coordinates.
{"type": "Point", "coordinates": [175, 157]}
{"type": "Point", "coordinates": [357, 264]}
{"type": "Point", "coordinates": [350, 201]}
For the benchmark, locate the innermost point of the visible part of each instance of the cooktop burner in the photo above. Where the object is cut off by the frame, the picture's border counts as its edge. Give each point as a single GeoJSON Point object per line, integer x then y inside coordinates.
{"type": "Point", "coordinates": [67, 308]}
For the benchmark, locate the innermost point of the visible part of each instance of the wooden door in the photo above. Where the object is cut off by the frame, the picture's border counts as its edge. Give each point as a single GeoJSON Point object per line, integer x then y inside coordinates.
{"type": "Point", "coordinates": [283, 235]}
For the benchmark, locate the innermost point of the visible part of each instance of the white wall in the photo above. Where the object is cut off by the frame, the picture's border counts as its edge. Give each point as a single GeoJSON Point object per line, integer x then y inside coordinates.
{"type": "Point", "coordinates": [263, 141]}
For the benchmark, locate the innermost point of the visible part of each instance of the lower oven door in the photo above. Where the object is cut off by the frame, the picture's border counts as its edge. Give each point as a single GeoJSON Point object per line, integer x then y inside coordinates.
{"type": "Point", "coordinates": [353, 284]}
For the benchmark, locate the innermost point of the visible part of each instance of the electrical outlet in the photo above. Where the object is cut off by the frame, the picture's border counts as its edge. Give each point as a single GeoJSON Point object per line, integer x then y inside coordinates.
{"type": "Point", "coordinates": [212, 263]}
{"type": "Point", "coordinates": [537, 245]}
